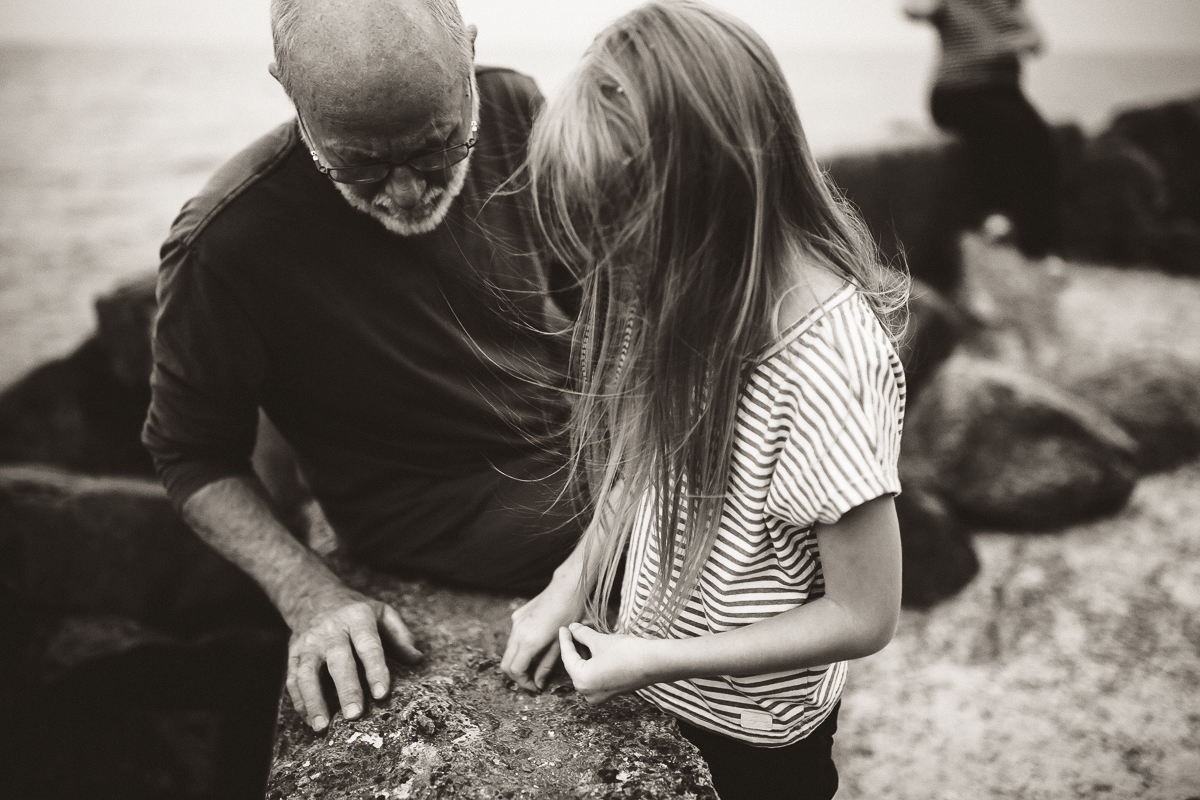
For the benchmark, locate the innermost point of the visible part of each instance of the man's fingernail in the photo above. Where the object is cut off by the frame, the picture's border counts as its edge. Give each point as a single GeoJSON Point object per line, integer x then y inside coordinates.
{"type": "Point", "coordinates": [319, 723]}
{"type": "Point", "coordinates": [575, 625]}
{"type": "Point", "coordinates": [378, 690]}
{"type": "Point", "coordinates": [352, 710]}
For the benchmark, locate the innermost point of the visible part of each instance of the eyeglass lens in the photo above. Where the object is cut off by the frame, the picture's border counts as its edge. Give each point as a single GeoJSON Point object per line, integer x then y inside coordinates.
{"type": "Point", "coordinates": [371, 173]}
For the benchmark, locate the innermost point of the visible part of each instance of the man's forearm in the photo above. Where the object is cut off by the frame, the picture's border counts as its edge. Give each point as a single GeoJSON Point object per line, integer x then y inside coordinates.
{"type": "Point", "coordinates": [233, 517]}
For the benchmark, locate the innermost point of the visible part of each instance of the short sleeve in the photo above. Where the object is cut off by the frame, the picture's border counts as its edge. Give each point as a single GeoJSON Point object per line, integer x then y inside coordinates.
{"type": "Point", "coordinates": [840, 414]}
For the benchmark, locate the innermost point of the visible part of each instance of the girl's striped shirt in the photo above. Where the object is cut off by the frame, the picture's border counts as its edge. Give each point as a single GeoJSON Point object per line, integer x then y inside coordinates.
{"type": "Point", "coordinates": [818, 433]}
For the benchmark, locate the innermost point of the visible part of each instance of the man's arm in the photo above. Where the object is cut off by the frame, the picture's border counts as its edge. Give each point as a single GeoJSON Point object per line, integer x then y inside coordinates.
{"type": "Point", "coordinates": [330, 622]}
{"type": "Point", "coordinates": [210, 368]}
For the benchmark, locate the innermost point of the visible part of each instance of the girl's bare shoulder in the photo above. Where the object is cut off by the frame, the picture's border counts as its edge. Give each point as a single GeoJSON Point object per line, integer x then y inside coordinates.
{"type": "Point", "coordinates": [812, 286]}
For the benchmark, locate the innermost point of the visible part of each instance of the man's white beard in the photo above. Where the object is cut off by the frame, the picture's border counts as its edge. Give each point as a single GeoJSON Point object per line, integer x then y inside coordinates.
{"type": "Point", "coordinates": [423, 217]}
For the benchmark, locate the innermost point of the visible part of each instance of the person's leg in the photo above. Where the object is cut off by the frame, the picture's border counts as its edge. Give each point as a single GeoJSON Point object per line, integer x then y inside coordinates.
{"type": "Point", "coordinates": [1031, 179]}
{"type": "Point", "coordinates": [1012, 158]}
{"type": "Point", "coordinates": [800, 771]}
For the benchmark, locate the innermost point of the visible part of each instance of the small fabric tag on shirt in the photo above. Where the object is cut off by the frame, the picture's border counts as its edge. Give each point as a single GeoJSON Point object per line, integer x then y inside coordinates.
{"type": "Point", "coordinates": [757, 721]}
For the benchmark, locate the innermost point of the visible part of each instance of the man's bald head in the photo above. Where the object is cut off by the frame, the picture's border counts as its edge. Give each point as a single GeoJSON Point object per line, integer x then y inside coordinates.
{"type": "Point", "coordinates": [349, 58]}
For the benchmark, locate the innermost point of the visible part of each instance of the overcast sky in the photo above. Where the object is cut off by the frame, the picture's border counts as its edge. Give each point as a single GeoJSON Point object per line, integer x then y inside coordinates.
{"type": "Point", "coordinates": [503, 24]}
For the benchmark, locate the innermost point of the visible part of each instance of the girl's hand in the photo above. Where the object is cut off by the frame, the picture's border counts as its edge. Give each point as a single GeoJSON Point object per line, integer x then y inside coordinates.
{"type": "Point", "coordinates": [533, 642]}
{"type": "Point", "coordinates": [618, 664]}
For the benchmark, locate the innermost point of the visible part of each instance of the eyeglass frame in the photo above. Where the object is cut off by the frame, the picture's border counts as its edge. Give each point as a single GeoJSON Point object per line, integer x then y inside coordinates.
{"type": "Point", "coordinates": [324, 170]}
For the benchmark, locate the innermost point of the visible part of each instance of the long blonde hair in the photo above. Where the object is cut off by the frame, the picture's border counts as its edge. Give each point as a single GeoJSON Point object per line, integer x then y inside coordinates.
{"type": "Point", "coordinates": [672, 176]}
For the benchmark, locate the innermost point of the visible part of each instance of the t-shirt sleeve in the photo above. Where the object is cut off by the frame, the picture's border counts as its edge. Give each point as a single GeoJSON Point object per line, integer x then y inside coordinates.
{"type": "Point", "coordinates": [840, 416]}
{"type": "Point", "coordinates": [209, 370]}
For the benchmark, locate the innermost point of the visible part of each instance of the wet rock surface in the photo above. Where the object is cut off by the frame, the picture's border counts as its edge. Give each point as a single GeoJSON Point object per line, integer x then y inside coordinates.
{"type": "Point", "coordinates": [453, 726]}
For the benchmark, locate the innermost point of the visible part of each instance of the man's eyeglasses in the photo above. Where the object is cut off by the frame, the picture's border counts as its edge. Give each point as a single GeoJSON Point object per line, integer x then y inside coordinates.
{"type": "Point", "coordinates": [373, 173]}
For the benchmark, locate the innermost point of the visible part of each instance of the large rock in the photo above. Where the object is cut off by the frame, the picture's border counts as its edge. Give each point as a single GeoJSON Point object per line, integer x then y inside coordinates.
{"type": "Point", "coordinates": [915, 200]}
{"type": "Point", "coordinates": [1011, 451]}
{"type": "Point", "coordinates": [85, 412]}
{"type": "Point", "coordinates": [136, 662]}
{"type": "Point", "coordinates": [1170, 135]}
{"type": "Point", "coordinates": [1155, 397]}
{"type": "Point", "coordinates": [454, 727]}
{"type": "Point", "coordinates": [1117, 209]}
{"type": "Point", "coordinates": [116, 547]}
{"type": "Point", "coordinates": [938, 556]}
{"type": "Point", "coordinates": [935, 328]}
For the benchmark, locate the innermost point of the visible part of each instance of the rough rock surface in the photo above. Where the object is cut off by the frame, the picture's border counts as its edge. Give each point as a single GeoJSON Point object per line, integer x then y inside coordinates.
{"type": "Point", "coordinates": [453, 726]}
{"type": "Point", "coordinates": [1010, 450]}
{"type": "Point", "coordinates": [938, 557]}
{"type": "Point", "coordinates": [1156, 399]}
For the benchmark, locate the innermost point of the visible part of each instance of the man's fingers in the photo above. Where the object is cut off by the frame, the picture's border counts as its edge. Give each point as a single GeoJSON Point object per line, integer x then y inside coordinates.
{"type": "Point", "coordinates": [293, 689]}
{"type": "Point", "coordinates": [310, 693]}
{"type": "Point", "coordinates": [370, 653]}
{"type": "Point", "coordinates": [399, 635]}
{"type": "Point", "coordinates": [546, 665]}
{"type": "Point", "coordinates": [344, 672]}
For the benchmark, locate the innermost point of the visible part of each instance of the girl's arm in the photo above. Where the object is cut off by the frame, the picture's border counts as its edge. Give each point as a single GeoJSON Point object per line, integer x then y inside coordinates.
{"type": "Point", "coordinates": [860, 558]}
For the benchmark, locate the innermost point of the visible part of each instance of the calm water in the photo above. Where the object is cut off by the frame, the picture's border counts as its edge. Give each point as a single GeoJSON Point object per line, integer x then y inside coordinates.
{"type": "Point", "coordinates": [99, 147]}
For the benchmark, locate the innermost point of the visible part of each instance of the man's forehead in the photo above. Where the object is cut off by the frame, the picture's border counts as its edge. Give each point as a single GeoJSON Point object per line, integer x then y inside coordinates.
{"type": "Point", "coordinates": [404, 112]}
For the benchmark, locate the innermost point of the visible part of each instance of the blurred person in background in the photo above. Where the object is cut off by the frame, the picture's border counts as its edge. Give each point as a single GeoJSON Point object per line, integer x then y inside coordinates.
{"type": "Point", "coordinates": [977, 96]}
{"type": "Point", "coordinates": [355, 276]}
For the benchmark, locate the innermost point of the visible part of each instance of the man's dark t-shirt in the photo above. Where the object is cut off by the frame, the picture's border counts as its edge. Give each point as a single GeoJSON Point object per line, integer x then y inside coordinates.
{"type": "Point", "coordinates": [405, 371]}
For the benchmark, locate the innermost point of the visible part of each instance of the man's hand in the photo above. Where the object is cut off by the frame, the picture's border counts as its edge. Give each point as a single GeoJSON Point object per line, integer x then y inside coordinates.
{"type": "Point", "coordinates": [330, 628]}
{"type": "Point", "coordinates": [618, 663]}
{"type": "Point", "coordinates": [533, 642]}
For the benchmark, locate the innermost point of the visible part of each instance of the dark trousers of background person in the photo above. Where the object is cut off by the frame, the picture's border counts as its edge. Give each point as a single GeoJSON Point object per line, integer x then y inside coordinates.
{"type": "Point", "coordinates": [1012, 158]}
{"type": "Point", "coordinates": [741, 771]}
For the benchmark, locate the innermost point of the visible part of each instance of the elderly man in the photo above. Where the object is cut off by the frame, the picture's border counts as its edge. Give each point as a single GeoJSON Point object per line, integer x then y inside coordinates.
{"type": "Point", "coordinates": [354, 275]}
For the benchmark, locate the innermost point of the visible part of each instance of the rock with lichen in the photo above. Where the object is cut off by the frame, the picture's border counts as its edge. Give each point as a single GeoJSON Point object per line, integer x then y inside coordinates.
{"type": "Point", "coordinates": [454, 726]}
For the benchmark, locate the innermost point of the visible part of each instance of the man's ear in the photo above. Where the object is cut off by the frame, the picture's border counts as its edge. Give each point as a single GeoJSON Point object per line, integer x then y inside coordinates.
{"type": "Point", "coordinates": [273, 68]}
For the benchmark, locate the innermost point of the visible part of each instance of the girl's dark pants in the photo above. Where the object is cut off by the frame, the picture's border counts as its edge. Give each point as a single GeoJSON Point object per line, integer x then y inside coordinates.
{"type": "Point", "coordinates": [800, 771]}
{"type": "Point", "coordinates": [1012, 158]}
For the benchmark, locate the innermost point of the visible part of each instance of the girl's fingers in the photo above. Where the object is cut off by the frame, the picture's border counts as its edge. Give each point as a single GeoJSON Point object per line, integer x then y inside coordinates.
{"type": "Point", "coordinates": [546, 665]}
{"type": "Point", "coordinates": [585, 635]}
{"type": "Point", "coordinates": [570, 656]}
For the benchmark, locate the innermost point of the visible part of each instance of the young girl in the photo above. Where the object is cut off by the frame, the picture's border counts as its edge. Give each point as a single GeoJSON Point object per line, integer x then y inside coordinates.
{"type": "Point", "coordinates": [739, 408]}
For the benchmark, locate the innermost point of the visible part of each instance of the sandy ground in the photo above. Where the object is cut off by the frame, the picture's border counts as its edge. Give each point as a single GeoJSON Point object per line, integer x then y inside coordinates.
{"type": "Point", "coordinates": [1070, 667]}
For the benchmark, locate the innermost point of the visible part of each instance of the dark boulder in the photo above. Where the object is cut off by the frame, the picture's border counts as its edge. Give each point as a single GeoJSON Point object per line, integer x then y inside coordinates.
{"type": "Point", "coordinates": [1170, 135]}
{"type": "Point", "coordinates": [938, 557]}
{"type": "Point", "coordinates": [1010, 451]}
{"type": "Point", "coordinates": [1155, 397]}
{"type": "Point", "coordinates": [85, 412]}
{"type": "Point", "coordinates": [116, 547]}
{"type": "Point", "coordinates": [915, 200]}
{"type": "Point", "coordinates": [935, 328]}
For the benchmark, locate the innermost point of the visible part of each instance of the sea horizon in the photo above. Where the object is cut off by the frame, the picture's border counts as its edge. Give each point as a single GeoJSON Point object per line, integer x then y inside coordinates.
{"type": "Point", "coordinates": [102, 143]}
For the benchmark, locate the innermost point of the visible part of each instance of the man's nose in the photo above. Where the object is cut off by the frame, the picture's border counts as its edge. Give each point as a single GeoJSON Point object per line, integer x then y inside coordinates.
{"type": "Point", "coordinates": [405, 187]}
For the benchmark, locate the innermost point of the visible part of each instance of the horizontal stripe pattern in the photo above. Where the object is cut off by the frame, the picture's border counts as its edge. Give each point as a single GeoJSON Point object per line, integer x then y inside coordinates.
{"type": "Point", "coordinates": [818, 433]}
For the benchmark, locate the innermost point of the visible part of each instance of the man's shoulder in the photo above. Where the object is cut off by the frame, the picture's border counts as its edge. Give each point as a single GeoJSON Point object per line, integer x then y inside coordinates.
{"type": "Point", "coordinates": [511, 95]}
{"type": "Point", "coordinates": [231, 181]}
